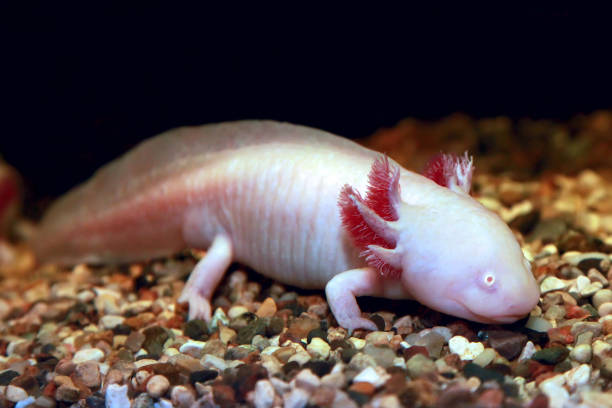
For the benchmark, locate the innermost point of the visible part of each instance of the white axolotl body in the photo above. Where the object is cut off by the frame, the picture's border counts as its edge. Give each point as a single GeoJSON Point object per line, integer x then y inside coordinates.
{"type": "Point", "coordinates": [276, 197]}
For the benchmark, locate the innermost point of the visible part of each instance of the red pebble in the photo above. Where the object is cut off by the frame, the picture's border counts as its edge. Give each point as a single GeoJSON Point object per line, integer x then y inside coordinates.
{"type": "Point", "coordinates": [536, 369]}
{"type": "Point", "coordinates": [413, 350]}
{"type": "Point", "coordinates": [561, 335]}
{"type": "Point", "coordinates": [539, 401]}
{"type": "Point", "coordinates": [492, 398]}
{"type": "Point", "coordinates": [49, 390]}
{"type": "Point", "coordinates": [575, 312]}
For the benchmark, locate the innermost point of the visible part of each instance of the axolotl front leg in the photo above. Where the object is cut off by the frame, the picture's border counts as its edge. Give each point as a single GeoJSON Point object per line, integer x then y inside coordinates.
{"type": "Point", "coordinates": [206, 276]}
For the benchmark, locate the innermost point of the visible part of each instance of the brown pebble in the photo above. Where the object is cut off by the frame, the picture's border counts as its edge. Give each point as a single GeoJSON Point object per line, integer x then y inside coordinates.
{"type": "Point", "coordinates": [157, 386]}
{"type": "Point", "coordinates": [267, 308]}
{"type": "Point", "coordinates": [363, 387]}
{"type": "Point", "coordinates": [301, 326]}
{"type": "Point", "coordinates": [88, 374]}
{"type": "Point", "coordinates": [65, 367]}
{"type": "Point", "coordinates": [134, 341]}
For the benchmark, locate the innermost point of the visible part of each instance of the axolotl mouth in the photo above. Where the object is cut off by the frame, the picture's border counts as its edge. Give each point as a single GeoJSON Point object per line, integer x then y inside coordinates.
{"type": "Point", "coordinates": [500, 319]}
{"type": "Point", "coordinates": [505, 318]}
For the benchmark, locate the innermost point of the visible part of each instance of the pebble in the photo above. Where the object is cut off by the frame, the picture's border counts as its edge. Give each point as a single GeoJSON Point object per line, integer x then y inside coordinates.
{"type": "Point", "coordinates": [109, 322]}
{"type": "Point", "coordinates": [601, 349]}
{"type": "Point", "coordinates": [464, 348]}
{"type": "Point", "coordinates": [193, 348]}
{"type": "Point", "coordinates": [554, 390]}
{"type": "Point", "coordinates": [218, 317]}
{"type": "Point", "coordinates": [527, 352]}
{"type": "Point", "coordinates": [578, 376]}
{"type": "Point", "coordinates": [605, 309]}
{"type": "Point", "coordinates": [601, 296]}
{"type": "Point", "coordinates": [236, 311]}
{"type": "Point", "coordinates": [307, 380]}
{"type": "Point", "coordinates": [318, 348]}
{"type": "Point", "coordinates": [263, 394]}
{"type": "Point", "coordinates": [590, 289]}
{"type": "Point", "coordinates": [267, 308]}
{"type": "Point", "coordinates": [582, 353]}
{"type": "Point", "coordinates": [485, 358]}
{"type": "Point", "coordinates": [91, 354]}
{"type": "Point", "coordinates": [227, 335]}
{"type": "Point", "coordinates": [538, 324]}
{"type": "Point", "coordinates": [551, 355]}
{"type": "Point", "coordinates": [605, 369]}
{"type": "Point", "coordinates": [182, 397]}
{"type": "Point", "coordinates": [382, 355]}
{"type": "Point", "coordinates": [581, 327]}
{"type": "Point", "coordinates": [419, 365]}
{"type": "Point", "coordinates": [15, 394]}
{"type": "Point", "coordinates": [432, 340]}
{"type": "Point", "coordinates": [116, 396]}
{"type": "Point", "coordinates": [507, 343]}
{"type": "Point", "coordinates": [157, 386]}
{"type": "Point", "coordinates": [376, 376]}
{"type": "Point", "coordinates": [552, 283]}
{"type": "Point", "coordinates": [296, 398]}
{"type": "Point", "coordinates": [88, 373]}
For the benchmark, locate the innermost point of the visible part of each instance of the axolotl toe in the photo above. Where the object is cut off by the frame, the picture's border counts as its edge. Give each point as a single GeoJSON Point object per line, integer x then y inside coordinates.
{"type": "Point", "coordinates": [287, 201]}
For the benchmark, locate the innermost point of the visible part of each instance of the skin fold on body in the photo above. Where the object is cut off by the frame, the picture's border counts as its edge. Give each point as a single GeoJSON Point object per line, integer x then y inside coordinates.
{"type": "Point", "coordinates": [286, 200]}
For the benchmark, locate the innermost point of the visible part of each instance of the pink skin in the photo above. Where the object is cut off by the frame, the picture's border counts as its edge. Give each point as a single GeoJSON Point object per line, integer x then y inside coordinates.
{"type": "Point", "coordinates": [266, 194]}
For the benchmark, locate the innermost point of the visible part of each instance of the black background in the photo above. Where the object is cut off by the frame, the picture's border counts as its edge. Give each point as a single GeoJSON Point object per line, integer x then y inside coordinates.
{"type": "Point", "coordinates": [80, 84]}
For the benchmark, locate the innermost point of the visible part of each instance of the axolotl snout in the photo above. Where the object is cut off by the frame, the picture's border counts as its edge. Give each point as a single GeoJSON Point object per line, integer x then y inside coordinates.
{"type": "Point", "coordinates": [301, 206]}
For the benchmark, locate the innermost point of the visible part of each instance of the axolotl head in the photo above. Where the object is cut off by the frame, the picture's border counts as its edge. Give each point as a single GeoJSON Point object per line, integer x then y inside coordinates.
{"type": "Point", "coordinates": [449, 252]}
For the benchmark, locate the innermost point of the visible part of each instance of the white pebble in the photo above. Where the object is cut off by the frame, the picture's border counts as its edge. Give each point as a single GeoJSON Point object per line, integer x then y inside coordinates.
{"type": "Point", "coordinates": [318, 348]}
{"type": "Point", "coordinates": [192, 347]}
{"type": "Point", "coordinates": [297, 398]}
{"type": "Point", "coordinates": [582, 282]}
{"type": "Point", "coordinates": [357, 342]}
{"type": "Point", "coordinates": [109, 322]}
{"type": "Point", "coordinates": [116, 396]}
{"type": "Point", "coordinates": [461, 346]}
{"type": "Point", "coordinates": [484, 359]}
{"type": "Point", "coordinates": [578, 376]}
{"type": "Point", "coordinates": [210, 361]}
{"type": "Point", "coordinates": [307, 380]}
{"type": "Point", "coordinates": [553, 388]}
{"type": "Point", "coordinates": [182, 396]}
{"type": "Point", "coordinates": [375, 376]}
{"type": "Point", "coordinates": [237, 311]}
{"type": "Point", "coordinates": [582, 353]}
{"type": "Point", "coordinates": [264, 394]}
{"type": "Point", "coordinates": [219, 317]}
{"type": "Point", "coordinates": [528, 351]}
{"type": "Point", "coordinates": [552, 283]}
{"type": "Point", "coordinates": [92, 354]}
{"type": "Point", "coordinates": [15, 394]}
{"type": "Point", "coordinates": [538, 324]}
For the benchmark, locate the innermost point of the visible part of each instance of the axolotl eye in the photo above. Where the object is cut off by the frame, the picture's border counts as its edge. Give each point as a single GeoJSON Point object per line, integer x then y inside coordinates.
{"type": "Point", "coordinates": [488, 279]}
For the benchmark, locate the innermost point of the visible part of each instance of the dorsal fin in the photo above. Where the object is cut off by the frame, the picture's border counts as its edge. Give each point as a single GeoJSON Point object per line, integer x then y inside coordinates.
{"type": "Point", "coordinates": [452, 171]}
{"type": "Point", "coordinates": [362, 218]}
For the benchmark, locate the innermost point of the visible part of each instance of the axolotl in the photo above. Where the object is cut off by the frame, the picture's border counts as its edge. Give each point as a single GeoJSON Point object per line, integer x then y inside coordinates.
{"type": "Point", "coordinates": [301, 206]}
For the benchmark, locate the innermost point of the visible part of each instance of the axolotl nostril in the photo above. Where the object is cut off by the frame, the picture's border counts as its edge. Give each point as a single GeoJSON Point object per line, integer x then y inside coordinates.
{"type": "Point", "coordinates": [304, 207]}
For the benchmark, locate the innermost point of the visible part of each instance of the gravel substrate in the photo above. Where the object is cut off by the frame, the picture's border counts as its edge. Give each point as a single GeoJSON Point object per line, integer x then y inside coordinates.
{"type": "Point", "coordinates": [114, 336]}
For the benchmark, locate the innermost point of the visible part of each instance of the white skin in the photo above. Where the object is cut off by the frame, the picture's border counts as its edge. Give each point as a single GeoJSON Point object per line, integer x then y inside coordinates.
{"type": "Point", "coordinates": [266, 194]}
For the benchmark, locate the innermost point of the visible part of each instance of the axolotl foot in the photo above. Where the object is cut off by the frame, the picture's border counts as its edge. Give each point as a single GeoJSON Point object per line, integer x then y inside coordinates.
{"type": "Point", "coordinates": [342, 289]}
{"type": "Point", "coordinates": [199, 306]}
{"type": "Point", "coordinates": [205, 277]}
